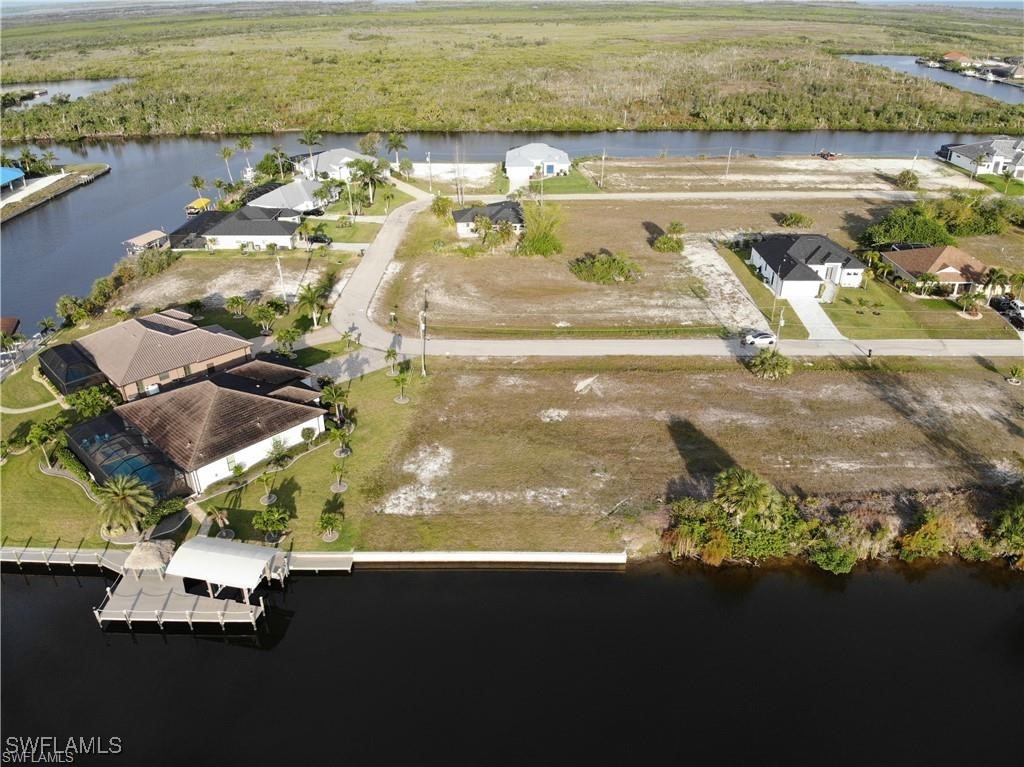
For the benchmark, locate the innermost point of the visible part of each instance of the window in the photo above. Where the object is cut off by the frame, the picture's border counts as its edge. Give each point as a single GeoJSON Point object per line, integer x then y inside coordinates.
{"type": "Point", "coordinates": [188, 370]}
{"type": "Point", "coordinates": [231, 462]}
{"type": "Point", "coordinates": [164, 376]}
{"type": "Point", "coordinates": [140, 388]}
{"type": "Point", "coordinates": [210, 367]}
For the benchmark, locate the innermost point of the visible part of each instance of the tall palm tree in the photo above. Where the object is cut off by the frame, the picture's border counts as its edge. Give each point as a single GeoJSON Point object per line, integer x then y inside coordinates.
{"type": "Point", "coordinates": [996, 277]}
{"type": "Point", "coordinates": [278, 151]}
{"type": "Point", "coordinates": [49, 158]}
{"type": "Point", "coordinates": [236, 305]}
{"type": "Point", "coordinates": [221, 186]}
{"type": "Point", "coordinates": [742, 493]}
{"type": "Point", "coordinates": [199, 184]}
{"type": "Point", "coordinates": [47, 325]}
{"type": "Point", "coordinates": [310, 297]}
{"type": "Point", "coordinates": [970, 301]}
{"type": "Point", "coordinates": [394, 143]}
{"type": "Point", "coordinates": [124, 500]}
{"type": "Point", "coordinates": [926, 282]}
{"type": "Point", "coordinates": [391, 357]}
{"type": "Point", "coordinates": [227, 153]}
{"type": "Point", "coordinates": [883, 269]}
{"type": "Point", "coordinates": [335, 395]}
{"type": "Point", "coordinates": [368, 174]}
{"type": "Point", "coordinates": [27, 160]}
{"type": "Point", "coordinates": [310, 138]}
{"type": "Point", "coordinates": [387, 194]}
{"type": "Point", "coordinates": [1017, 283]}
{"type": "Point", "coordinates": [244, 145]}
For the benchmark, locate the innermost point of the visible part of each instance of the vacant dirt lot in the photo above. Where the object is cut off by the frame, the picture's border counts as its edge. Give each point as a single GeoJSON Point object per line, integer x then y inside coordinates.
{"type": "Point", "coordinates": [695, 174]}
{"type": "Point", "coordinates": [213, 279]}
{"type": "Point", "coordinates": [694, 291]}
{"type": "Point", "coordinates": [604, 442]}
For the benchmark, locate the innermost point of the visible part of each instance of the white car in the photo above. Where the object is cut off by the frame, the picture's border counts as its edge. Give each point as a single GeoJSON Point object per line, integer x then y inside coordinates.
{"type": "Point", "coordinates": [761, 340]}
{"type": "Point", "coordinates": [1016, 305]}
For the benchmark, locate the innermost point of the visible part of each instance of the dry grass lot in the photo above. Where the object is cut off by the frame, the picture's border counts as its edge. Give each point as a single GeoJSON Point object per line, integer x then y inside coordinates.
{"type": "Point", "coordinates": [693, 294]}
{"type": "Point", "coordinates": [593, 446]}
{"type": "Point", "coordinates": [697, 174]}
{"type": "Point", "coordinates": [1005, 250]}
{"type": "Point", "coordinates": [213, 277]}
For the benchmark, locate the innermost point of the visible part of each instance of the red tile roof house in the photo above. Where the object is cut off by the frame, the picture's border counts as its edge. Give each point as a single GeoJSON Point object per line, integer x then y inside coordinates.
{"type": "Point", "coordinates": [140, 355]}
{"type": "Point", "coordinates": [955, 270]}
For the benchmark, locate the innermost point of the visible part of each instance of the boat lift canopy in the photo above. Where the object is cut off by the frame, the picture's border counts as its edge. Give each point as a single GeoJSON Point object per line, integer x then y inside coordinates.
{"type": "Point", "coordinates": [223, 562]}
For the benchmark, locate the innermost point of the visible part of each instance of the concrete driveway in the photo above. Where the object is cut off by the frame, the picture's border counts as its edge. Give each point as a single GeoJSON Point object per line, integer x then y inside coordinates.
{"type": "Point", "coordinates": [818, 324]}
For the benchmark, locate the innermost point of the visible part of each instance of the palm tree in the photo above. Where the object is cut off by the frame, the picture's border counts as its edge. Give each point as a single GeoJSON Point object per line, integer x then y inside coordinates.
{"type": "Point", "coordinates": [244, 144]}
{"type": "Point", "coordinates": [335, 395]}
{"type": "Point", "coordinates": [311, 298]}
{"type": "Point", "coordinates": [264, 315]}
{"type": "Point", "coordinates": [47, 325]}
{"type": "Point", "coordinates": [996, 277]}
{"type": "Point", "coordinates": [221, 186]}
{"type": "Point", "coordinates": [237, 306]}
{"type": "Point", "coordinates": [969, 302]}
{"type": "Point", "coordinates": [286, 338]}
{"type": "Point", "coordinates": [124, 500]}
{"type": "Point", "coordinates": [401, 381]}
{"type": "Point", "coordinates": [883, 269]}
{"type": "Point", "coordinates": [49, 158]}
{"type": "Point", "coordinates": [39, 435]}
{"type": "Point", "coordinates": [368, 174]}
{"type": "Point", "coordinates": [387, 194]}
{"type": "Point", "coordinates": [278, 151]}
{"type": "Point", "coordinates": [1007, 177]}
{"type": "Point", "coordinates": [310, 138]}
{"type": "Point", "coordinates": [391, 357]}
{"type": "Point", "coordinates": [395, 142]}
{"type": "Point", "coordinates": [743, 494]}
{"type": "Point", "coordinates": [227, 153]}
{"type": "Point", "coordinates": [1017, 283]}
{"type": "Point", "coordinates": [770, 365]}
{"type": "Point", "coordinates": [983, 159]}
{"type": "Point", "coordinates": [926, 282]}
{"type": "Point", "coordinates": [483, 226]}
{"type": "Point", "coordinates": [199, 184]}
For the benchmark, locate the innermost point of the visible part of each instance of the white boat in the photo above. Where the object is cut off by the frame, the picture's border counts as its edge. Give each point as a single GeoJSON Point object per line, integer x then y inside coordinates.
{"type": "Point", "coordinates": [934, 65]}
{"type": "Point", "coordinates": [991, 77]}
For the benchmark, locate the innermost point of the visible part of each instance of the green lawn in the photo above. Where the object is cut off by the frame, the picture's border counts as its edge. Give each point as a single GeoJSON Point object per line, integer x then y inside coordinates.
{"type": "Point", "coordinates": [358, 232]}
{"type": "Point", "coordinates": [246, 328]}
{"type": "Point", "coordinates": [574, 183]}
{"type": "Point", "coordinates": [43, 511]}
{"type": "Point", "coordinates": [891, 314]}
{"type": "Point", "coordinates": [998, 183]}
{"type": "Point", "coordinates": [20, 390]}
{"type": "Point", "coordinates": [377, 209]}
{"type": "Point", "coordinates": [304, 488]}
{"type": "Point", "coordinates": [770, 307]}
{"type": "Point", "coordinates": [313, 355]}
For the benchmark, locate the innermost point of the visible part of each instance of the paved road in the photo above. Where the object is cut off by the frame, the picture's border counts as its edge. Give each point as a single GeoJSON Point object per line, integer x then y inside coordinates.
{"type": "Point", "coordinates": [351, 312]}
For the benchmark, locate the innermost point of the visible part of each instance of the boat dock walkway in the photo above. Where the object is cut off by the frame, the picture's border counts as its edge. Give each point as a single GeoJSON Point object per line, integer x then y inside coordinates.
{"type": "Point", "coordinates": [160, 599]}
{"type": "Point", "coordinates": [109, 559]}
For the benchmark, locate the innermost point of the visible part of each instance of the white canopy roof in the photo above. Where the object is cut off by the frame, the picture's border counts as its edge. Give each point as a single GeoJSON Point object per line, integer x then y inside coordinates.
{"type": "Point", "coordinates": [220, 561]}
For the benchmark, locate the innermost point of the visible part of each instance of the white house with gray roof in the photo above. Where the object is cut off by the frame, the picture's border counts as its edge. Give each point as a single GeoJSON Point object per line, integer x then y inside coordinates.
{"type": "Point", "coordinates": [805, 266]}
{"type": "Point", "coordinates": [300, 195]}
{"type": "Point", "coordinates": [534, 161]}
{"type": "Point", "coordinates": [333, 162]}
{"type": "Point", "coordinates": [254, 228]}
{"type": "Point", "coordinates": [994, 155]}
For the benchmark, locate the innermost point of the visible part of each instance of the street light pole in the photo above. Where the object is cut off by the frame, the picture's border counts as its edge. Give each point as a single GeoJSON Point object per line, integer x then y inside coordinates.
{"type": "Point", "coordinates": [782, 324]}
{"type": "Point", "coordinates": [430, 174]}
{"type": "Point", "coordinates": [280, 275]}
{"type": "Point", "coordinates": [423, 336]}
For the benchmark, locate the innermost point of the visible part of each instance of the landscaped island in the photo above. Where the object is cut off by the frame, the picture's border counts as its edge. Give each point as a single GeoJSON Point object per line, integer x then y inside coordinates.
{"type": "Point", "coordinates": [563, 67]}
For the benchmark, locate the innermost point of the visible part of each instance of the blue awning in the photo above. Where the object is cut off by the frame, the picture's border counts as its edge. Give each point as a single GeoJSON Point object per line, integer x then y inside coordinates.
{"type": "Point", "coordinates": [8, 175]}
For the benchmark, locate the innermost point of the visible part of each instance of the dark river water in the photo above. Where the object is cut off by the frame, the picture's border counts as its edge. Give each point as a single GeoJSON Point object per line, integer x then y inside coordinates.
{"type": "Point", "coordinates": [907, 667]}
{"type": "Point", "coordinates": [61, 247]}
{"type": "Point", "coordinates": [1011, 94]}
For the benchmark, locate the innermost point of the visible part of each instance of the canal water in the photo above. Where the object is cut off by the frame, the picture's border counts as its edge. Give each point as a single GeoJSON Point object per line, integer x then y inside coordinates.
{"type": "Point", "coordinates": [75, 89]}
{"type": "Point", "coordinates": [684, 665]}
{"type": "Point", "coordinates": [62, 246]}
{"type": "Point", "coordinates": [1011, 94]}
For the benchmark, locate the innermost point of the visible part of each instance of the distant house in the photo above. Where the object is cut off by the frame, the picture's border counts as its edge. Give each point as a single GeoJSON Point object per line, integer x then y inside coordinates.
{"type": "Point", "coordinates": [254, 228]}
{"type": "Point", "coordinates": [9, 325]}
{"type": "Point", "coordinates": [534, 161]}
{"type": "Point", "coordinates": [139, 356]}
{"type": "Point", "coordinates": [805, 266]}
{"type": "Point", "coordinates": [155, 238]}
{"type": "Point", "coordinates": [299, 195]}
{"type": "Point", "coordinates": [956, 271]}
{"type": "Point", "coordinates": [994, 155]}
{"type": "Point", "coordinates": [957, 56]}
{"type": "Point", "coordinates": [332, 163]}
{"type": "Point", "coordinates": [209, 427]}
{"type": "Point", "coordinates": [497, 212]}
{"type": "Point", "coordinates": [10, 175]}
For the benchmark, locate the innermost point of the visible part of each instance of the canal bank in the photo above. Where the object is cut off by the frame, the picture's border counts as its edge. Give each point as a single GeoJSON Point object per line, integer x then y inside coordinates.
{"type": "Point", "coordinates": [71, 177]}
{"type": "Point", "coordinates": [528, 667]}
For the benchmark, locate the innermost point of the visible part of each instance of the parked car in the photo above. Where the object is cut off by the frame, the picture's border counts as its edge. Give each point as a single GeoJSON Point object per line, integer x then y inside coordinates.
{"type": "Point", "coordinates": [1000, 303]}
{"type": "Point", "coordinates": [1017, 321]}
{"type": "Point", "coordinates": [314, 212]}
{"type": "Point", "coordinates": [761, 340]}
{"type": "Point", "coordinates": [1016, 305]}
{"type": "Point", "coordinates": [320, 239]}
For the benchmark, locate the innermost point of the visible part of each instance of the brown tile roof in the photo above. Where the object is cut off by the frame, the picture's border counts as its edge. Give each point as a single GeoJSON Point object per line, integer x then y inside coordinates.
{"type": "Point", "coordinates": [150, 345]}
{"type": "Point", "coordinates": [934, 260]}
{"type": "Point", "coordinates": [269, 372]}
{"type": "Point", "coordinates": [202, 422]}
{"type": "Point", "coordinates": [302, 394]}
{"type": "Point", "coordinates": [9, 325]}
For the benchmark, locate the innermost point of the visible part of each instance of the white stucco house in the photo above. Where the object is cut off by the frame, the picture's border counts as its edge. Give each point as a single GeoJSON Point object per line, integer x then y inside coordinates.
{"type": "Point", "coordinates": [805, 266]}
{"type": "Point", "coordinates": [230, 419]}
{"type": "Point", "coordinates": [254, 229]}
{"type": "Point", "coordinates": [334, 163]}
{"type": "Point", "coordinates": [533, 161]}
{"type": "Point", "coordinates": [993, 155]}
{"type": "Point", "coordinates": [299, 195]}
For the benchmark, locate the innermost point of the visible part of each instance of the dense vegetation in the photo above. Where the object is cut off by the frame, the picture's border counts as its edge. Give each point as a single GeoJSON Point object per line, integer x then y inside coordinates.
{"type": "Point", "coordinates": [747, 520]}
{"type": "Point", "coordinates": [939, 221]}
{"type": "Point", "coordinates": [605, 268]}
{"type": "Point", "coordinates": [564, 67]}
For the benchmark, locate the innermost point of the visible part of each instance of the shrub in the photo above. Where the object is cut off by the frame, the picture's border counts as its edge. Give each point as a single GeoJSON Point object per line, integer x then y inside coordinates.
{"type": "Point", "coordinates": [69, 461]}
{"type": "Point", "coordinates": [605, 268]}
{"type": "Point", "coordinates": [1009, 529]}
{"type": "Point", "coordinates": [833, 557]}
{"type": "Point", "coordinates": [541, 223]}
{"type": "Point", "coordinates": [770, 365]}
{"type": "Point", "coordinates": [929, 539]}
{"type": "Point", "coordinates": [666, 243]}
{"type": "Point", "coordinates": [908, 224]}
{"type": "Point", "coordinates": [975, 551]}
{"type": "Point", "coordinates": [796, 221]}
{"type": "Point", "coordinates": [162, 509]}
{"type": "Point", "coordinates": [907, 180]}
{"type": "Point", "coordinates": [442, 207]}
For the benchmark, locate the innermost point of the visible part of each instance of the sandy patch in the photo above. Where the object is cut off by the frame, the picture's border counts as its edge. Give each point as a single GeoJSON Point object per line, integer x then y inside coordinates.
{"type": "Point", "coordinates": [430, 464]}
{"type": "Point", "coordinates": [553, 415]}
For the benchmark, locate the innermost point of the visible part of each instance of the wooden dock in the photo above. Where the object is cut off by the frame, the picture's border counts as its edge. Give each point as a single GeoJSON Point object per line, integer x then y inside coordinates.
{"type": "Point", "coordinates": [161, 599]}
{"type": "Point", "coordinates": [109, 559]}
{"type": "Point", "coordinates": [320, 561]}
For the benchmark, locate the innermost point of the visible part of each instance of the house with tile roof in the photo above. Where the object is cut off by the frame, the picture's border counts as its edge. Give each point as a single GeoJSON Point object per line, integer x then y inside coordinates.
{"type": "Point", "coordinates": [142, 355]}
{"type": "Point", "coordinates": [805, 266]}
{"type": "Point", "coordinates": [198, 432]}
{"type": "Point", "coordinates": [498, 212]}
{"type": "Point", "coordinates": [254, 228]}
{"type": "Point", "coordinates": [332, 163]}
{"type": "Point", "coordinates": [299, 196]}
{"type": "Point", "coordinates": [956, 271]}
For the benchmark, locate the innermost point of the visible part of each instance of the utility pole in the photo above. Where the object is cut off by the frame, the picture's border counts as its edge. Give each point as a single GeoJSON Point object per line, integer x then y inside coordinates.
{"type": "Point", "coordinates": [728, 163]}
{"type": "Point", "coordinates": [430, 173]}
{"type": "Point", "coordinates": [423, 336]}
{"type": "Point", "coordinates": [604, 154]}
{"type": "Point", "coordinates": [782, 324]}
{"type": "Point", "coordinates": [914, 162]}
{"type": "Point", "coordinates": [280, 275]}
